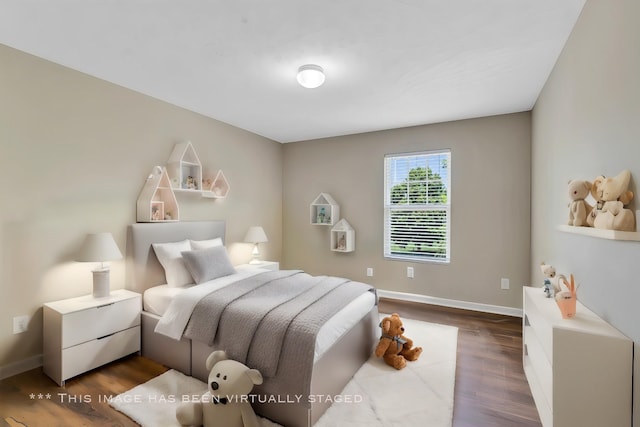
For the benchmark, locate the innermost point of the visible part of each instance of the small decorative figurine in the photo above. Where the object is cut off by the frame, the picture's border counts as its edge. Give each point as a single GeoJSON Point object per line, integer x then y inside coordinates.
{"type": "Point", "coordinates": [321, 216]}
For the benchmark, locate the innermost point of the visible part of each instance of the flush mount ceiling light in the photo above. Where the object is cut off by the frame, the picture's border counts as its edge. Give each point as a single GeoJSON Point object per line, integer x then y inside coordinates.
{"type": "Point", "coordinates": [310, 76]}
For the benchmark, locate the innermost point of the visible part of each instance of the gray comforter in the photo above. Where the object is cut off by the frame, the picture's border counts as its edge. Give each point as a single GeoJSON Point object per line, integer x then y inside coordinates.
{"type": "Point", "coordinates": [270, 321]}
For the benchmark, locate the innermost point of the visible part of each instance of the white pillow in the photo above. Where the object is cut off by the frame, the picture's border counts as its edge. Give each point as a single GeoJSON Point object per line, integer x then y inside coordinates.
{"type": "Point", "coordinates": [170, 256]}
{"type": "Point", "coordinates": [205, 244]}
{"type": "Point", "coordinates": [208, 264]}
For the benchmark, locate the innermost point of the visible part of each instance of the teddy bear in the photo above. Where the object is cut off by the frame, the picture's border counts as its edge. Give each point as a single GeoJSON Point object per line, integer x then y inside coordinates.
{"type": "Point", "coordinates": [225, 404]}
{"type": "Point", "coordinates": [579, 209]}
{"type": "Point", "coordinates": [552, 281]}
{"type": "Point", "coordinates": [394, 347]}
{"type": "Point", "coordinates": [612, 195]}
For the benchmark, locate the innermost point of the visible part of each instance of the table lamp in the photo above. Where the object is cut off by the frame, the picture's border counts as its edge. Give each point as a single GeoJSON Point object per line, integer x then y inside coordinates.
{"type": "Point", "coordinates": [255, 235]}
{"type": "Point", "coordinates": [99, 247]}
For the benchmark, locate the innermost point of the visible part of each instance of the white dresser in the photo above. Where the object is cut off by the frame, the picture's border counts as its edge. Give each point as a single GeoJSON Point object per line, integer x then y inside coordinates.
{"type": "Point", "coordinates": [579, 369]}
{"type": "Point", "coordinates": [86, 332]}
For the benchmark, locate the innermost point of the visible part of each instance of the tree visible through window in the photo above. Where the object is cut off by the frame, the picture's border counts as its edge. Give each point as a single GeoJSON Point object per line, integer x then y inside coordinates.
{"type": "Point", "coordinates": [417, 206]}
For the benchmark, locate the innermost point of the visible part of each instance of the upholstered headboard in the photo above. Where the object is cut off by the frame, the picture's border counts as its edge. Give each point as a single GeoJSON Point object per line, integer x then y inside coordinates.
{"type": "Point", "coordinates": [143, 270]}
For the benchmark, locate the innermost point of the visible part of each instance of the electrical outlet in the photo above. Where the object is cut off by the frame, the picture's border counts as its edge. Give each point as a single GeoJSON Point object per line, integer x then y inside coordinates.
{"type": "Point", "coordinates": [20, 324]}
{"type": "Point", "coordinates": [369, 272]}
{"type": "Point", "coordinates": [410, 272]}
{"type": "Point", "coordinates": [504, 283]}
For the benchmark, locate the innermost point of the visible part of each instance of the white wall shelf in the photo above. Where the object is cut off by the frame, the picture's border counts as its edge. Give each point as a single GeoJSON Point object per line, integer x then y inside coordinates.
{"type": "Point", "coordinates": [324, 210]}
{"type": "Point", "coordinates": [343, 237]}
{"type": "Point", "coordinates": [216, 187]}
{"type": "Point", "coordinates": [184, 168]}
{"type": "Point", "coordinates": [602, 234]}
{"type": "Point", "coordinates": [157, 202]}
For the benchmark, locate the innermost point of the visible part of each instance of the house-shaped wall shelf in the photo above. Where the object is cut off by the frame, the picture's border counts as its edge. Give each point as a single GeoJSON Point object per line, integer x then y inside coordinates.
{"type": "Point", "coordinates": [343, 237]}
{"type": "Point", "coordinates": [184, 168]}
{"type": "Point", "coordinates": [324, 210]}
{"type": "Point", "coordinates": [157, 201]}
{"type": "Point", "coordinates": [215, 188]}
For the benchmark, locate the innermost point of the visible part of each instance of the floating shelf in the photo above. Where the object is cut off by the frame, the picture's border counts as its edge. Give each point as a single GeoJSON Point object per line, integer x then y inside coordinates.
{"type": "Point", "coordinates": [184, 168]}
{"type": "Point", "coordinates": [324, 210]}
{"type": "Point", "coordinates": [157, 202]}
{"type": "Point", "coordinates": [216, 188]}
{"type": "Point", "coordinates": [343, 237]}
{"type": "Point", "coordinates": [602, 234]}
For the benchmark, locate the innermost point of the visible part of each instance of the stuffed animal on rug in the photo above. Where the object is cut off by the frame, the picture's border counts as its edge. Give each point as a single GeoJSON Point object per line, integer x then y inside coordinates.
{"type": "Point", "coordinates": [579, 209]}
{"type": "Point", "coordinates": [393, 346]}
{"type": "Point", "coordinates": [226, 403]}
{"type": "Point", "coordinates": [611, 195]}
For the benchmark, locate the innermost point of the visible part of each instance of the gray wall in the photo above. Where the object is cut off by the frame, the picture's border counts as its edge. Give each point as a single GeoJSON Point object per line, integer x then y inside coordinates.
{"type": "Point", "coordinates": [586, 123]}
{"type": "Point", "coordinates": [74, 155]}
{"type": "Point", "coordinates": [490, 199]}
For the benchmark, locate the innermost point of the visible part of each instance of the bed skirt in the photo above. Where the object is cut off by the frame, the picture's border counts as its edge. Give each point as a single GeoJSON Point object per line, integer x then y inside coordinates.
{"type": "Point", "coordinates": [330, 373]}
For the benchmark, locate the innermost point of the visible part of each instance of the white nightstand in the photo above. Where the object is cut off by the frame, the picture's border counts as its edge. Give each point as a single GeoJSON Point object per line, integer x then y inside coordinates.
{"type": "Point", "coordinates": [267, 265]}
{"type": "Point", "coordinates": [86, 332]}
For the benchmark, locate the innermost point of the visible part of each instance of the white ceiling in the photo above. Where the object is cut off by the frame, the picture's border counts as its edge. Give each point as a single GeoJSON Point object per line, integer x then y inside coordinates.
{"type": "Point", "coordinates": [389, 63]}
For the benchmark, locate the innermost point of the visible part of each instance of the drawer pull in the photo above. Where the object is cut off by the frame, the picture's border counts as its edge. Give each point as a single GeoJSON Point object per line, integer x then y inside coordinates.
{"type": "Point", "coordinates": [106, 336]}
{"type": "Point", "coordinates": [105, 305]}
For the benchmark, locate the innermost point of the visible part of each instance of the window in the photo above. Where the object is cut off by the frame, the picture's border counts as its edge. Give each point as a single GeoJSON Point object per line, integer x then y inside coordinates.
{"type": "Point", "coordinates": [417, 206]}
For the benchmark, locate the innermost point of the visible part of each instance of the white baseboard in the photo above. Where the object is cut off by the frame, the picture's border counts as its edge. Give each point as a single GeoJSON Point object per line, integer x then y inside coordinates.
{"type": "Point", "coordinates": [474, 306]}
{"type": "Point", "coordinates": [21, 366]}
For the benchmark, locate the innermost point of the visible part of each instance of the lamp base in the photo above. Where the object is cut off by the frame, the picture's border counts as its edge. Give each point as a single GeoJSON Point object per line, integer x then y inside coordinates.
{"type": "Point", "coordinates": [101, 283]}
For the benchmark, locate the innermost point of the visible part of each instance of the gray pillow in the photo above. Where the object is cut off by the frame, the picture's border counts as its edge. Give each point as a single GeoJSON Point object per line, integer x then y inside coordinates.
{"type": "Point", "coordinates": [208, 264]}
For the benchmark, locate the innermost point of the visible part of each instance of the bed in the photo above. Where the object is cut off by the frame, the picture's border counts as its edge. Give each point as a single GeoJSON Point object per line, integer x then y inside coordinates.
{"type": "Point", "coordinates": [343, 343]}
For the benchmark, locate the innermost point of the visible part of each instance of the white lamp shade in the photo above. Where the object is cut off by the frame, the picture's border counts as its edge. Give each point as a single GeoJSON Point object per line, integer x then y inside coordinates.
{"type": "Point", "coordinates": [98, 247]}
{"type": "Point", "coordinates": [311, 76]}
{"type": "Point", "coordinates": [255, 235]}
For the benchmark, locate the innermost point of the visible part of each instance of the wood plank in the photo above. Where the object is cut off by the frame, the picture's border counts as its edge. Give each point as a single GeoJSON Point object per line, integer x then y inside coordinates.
{"type": "Point", "coordinates": [491, 389]}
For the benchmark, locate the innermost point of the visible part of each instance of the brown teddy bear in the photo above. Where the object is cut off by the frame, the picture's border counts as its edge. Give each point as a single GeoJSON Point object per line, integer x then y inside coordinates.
{"type": "Point", "coordinates": [394, 347]}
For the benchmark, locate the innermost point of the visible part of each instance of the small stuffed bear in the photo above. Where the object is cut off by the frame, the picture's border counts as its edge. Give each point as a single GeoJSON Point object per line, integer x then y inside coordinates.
{"type": "Point", "coordinates": [552, 281]}
{"type": "Point", "coordinates": [549, 273]}
{"type": "Point", "coordinates": [226, 403]}
{"type": "Point", "coordinates": [394, 347]}
{"type": "Point", "coordinates": [578, 208]}
{"type": "Point", "coordinates": [612, 195]}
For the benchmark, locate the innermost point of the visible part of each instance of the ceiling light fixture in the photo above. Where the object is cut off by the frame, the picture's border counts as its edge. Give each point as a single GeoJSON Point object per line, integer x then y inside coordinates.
{"type": "Point", "coordinates": [310, 76]}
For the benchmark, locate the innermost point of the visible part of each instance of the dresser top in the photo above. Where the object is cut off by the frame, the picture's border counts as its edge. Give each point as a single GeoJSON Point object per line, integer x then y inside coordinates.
{"type": "Point", "coordinates": [585, 320]}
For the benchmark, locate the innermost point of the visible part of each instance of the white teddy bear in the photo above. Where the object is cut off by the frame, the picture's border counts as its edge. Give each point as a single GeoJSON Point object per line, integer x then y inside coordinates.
{"type": "Point", "coordinates": [226, 403]}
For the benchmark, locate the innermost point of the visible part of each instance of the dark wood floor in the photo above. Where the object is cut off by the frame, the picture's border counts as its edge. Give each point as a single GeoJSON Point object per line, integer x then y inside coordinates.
{"type": "Point", "coordinates": [490, 390]}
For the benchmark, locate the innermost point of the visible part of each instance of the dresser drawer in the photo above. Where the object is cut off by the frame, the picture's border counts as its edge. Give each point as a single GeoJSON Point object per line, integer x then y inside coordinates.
{"type": "Point", "coordinates": [539, 364]}
{"type": "Point", "coordinates": [89, 355]}
{"type": "Point", "coordinates": [538, 320]}
{"type": "Point", "coordinates": [95, 322]}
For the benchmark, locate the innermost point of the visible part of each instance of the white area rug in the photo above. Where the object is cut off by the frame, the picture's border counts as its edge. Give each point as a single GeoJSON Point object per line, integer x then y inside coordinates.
{"type": "Point", "coordinates": [378, 395]}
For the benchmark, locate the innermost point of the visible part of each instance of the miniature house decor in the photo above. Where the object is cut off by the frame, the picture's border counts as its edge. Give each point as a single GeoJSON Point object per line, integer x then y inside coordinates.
{"type": "Point", "coordinates": [215, 188]}
{"type": "Point", "coordinates": [324, 210]}
{"type": "Point", "coordinates": [184, 168]}
{"type": "Point", "coordinates": [157, 201]}
{"type": "Point", "coordinates": [343, 237]}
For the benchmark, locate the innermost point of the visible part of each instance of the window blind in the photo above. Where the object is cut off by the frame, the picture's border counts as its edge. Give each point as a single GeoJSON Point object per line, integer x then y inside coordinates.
{"type": "Point", "coordinates": [417, 206]}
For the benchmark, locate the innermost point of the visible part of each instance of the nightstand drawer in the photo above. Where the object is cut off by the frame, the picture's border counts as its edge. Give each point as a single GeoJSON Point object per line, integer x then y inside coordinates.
{"type": "Point", "coordinates": [95, 322]}
{"type": "Point", "coordinates": [97, 352]}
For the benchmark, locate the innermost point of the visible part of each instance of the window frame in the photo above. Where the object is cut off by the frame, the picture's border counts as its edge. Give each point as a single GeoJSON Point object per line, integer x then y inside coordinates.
{"type": "Point", "coordinates": [426, 207]}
